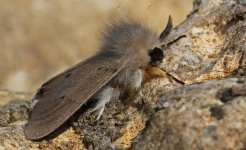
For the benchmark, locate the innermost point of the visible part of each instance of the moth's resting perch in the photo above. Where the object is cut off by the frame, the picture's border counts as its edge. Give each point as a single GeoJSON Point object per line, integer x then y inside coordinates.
{"type": "Point", "coordinates": [208, 115]}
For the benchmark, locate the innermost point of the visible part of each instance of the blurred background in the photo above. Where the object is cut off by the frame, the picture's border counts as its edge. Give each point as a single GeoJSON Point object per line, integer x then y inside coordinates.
{"type": "Point", "coordinates": [40, 38]}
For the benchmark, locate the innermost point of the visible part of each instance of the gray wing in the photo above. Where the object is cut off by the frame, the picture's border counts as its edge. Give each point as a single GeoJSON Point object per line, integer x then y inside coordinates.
{"type": "Point", "coordinates": [63, 95]}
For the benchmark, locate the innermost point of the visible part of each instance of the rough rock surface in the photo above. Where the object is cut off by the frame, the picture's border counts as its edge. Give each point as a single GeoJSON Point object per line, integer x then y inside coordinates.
{"type": "Point", "coordinates": [214, 46]}
{"type": "Point", "coordinates": [197, 116]}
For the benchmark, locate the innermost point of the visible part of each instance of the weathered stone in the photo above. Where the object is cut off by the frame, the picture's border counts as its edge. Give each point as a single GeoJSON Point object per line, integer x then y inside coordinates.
{"type": "Point", "coordinates": [214, 46]}
{"type": "Point", "coordinates": [197, 119]}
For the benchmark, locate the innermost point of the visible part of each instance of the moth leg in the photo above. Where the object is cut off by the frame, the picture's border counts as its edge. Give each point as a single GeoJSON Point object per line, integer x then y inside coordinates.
{"type": "Point", "coordinates": [137, 80]}
{"type": "Point", "coordinates": [100, 112]}
{"type": "Point", "coordinates": [104, 97]}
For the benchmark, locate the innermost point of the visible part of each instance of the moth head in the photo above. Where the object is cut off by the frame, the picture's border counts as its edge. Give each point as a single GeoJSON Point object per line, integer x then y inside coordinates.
{"type": "Point", "coordinates": [156, 54]}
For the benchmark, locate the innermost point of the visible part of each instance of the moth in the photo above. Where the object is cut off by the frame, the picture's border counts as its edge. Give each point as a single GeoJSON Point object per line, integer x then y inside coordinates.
{"type": "Point", "coordinates": [129, 50]}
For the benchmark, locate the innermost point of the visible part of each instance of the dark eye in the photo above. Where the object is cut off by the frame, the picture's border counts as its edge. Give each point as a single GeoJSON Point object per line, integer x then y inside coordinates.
{"type": "Point", "coordinates": [156, 54]}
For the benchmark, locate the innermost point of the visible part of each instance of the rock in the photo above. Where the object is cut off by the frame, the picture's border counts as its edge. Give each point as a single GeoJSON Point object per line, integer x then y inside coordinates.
{"type": "Point", "coordinates": [13, 112]}
{"type": "Point", "coordinates": [214, 46]}
{"type": "Point", "coordinates": [199, 116]}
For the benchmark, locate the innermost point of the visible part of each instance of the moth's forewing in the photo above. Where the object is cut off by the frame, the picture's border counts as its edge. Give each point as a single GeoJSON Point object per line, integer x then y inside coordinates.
{"type": "Point", "coordinates": [64, 94]}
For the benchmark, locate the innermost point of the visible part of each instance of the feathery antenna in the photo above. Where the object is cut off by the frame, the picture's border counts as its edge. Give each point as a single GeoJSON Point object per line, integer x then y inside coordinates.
{"type": "Point", "coordinates": [167, 29]}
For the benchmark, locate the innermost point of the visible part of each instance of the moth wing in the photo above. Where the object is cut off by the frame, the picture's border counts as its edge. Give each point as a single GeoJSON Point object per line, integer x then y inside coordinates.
{"type": "Point", "coordinates": [63, 95]}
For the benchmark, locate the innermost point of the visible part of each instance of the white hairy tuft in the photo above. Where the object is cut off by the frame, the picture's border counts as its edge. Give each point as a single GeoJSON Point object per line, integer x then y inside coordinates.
{"type": "Point", "coordinates": [104, 97]}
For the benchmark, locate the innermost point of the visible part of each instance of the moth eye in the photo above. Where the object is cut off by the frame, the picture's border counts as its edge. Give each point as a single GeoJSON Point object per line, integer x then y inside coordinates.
{"type": "Point", "coordinates": [156, 54]}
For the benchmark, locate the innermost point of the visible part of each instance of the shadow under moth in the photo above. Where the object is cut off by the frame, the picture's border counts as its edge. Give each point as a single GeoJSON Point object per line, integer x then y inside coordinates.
{"type": "Point", "coordinates": [119, 68]}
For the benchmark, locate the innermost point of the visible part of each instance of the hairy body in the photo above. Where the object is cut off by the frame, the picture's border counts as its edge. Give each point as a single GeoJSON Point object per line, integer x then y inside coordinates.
{"type": "Point", "coordinates": [135, 41]}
